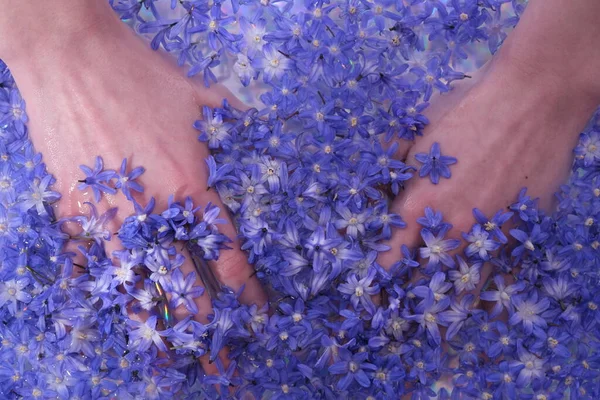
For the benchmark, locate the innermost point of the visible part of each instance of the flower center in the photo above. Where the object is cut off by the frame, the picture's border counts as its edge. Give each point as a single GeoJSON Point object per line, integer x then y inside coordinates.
{"type": "Point", "coordinates": [430, 317]}
{"type": "Point", "coordinates": [489, 226]}
{"type": "Point", "coordinates": [529, 365]}
{"type": "Point", "coordinates": [436, 249]}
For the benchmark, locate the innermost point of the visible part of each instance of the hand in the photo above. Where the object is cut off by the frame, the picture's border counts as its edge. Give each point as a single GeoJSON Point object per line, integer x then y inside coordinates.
{"type": "Point", "coordinates": [109, 94]}
{"type": "Point", "coordinates": [508, 130]}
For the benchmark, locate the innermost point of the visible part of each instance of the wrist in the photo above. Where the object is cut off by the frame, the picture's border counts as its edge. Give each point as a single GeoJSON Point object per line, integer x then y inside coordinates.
{"type": "Point", "coordinates": [556, 42]}
{"type": "Point", "coordinates": [51, 29]}
{"type": "Point", "coordinates": [557, 93]}
{"type": "Point", "coordinates": [519, 98]}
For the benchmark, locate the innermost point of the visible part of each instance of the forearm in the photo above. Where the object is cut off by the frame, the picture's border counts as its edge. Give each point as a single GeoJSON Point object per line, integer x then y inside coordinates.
{"type": "Point", "coordinates": [558, 41]}
{"type": "Point", "coordinates": [31, 29]}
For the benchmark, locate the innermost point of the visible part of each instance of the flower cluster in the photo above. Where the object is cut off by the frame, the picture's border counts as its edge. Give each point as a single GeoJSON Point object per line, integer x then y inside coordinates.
{"type": "Point", "coordinates": [308, 180]}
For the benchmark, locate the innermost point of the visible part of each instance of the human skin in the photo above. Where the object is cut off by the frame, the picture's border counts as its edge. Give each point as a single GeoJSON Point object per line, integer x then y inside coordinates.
{"type": "Point", "coordinates": [513, 125]}
{"type": "Point", "coordinates": [100, 56]}
{"type": "Point", "coordinates": [94, 88]}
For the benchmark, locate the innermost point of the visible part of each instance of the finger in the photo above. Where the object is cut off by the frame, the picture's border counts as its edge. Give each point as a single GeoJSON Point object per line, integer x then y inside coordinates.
{"type": "Point", "coordinates": [440, 105]}
{"type": "Point", "coordinates": [232, 268]}
{"type": "Point", "coordinates": [204, 306]}
{"type": "Point", "coordinates": [407, 205]}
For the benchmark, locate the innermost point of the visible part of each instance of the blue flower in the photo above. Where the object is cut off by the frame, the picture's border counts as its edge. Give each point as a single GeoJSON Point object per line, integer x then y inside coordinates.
{"type": "Point", "coordinates": [83, 337]}
{"type": "Point", "coordinates": [225, 378]}
{"type": "Point", "coordinates": [428, 313]}
{"type": "Point", "coordinates": [213, 129]}
{"type": "Point", "coordinates": [406, 264]}
{"type": "Point", "coordinates": [429, 78]}
{"type": "Point", "coordinates": [494, 225]}
{"type": "Point", "coordinates": [273, 62]}
{"type": "Point", "coordinates": [353, 367]}
{"type": "Point", "coordinates": [360, 291]}
{"type": "Point", "coordinates": [460, 310]}
{"type": "Point", "coordinates": [144, 334]}
{"type": "Point", "coordinates": [467, 277]}
{"type": "Point", "coordinates": [434, 221]}
{"type": "Point", "coordinates": [13, 108]}
{"type": "Point", "coordinates": [527, 311]}
{"type": "Point", "coordinates": [480, 244]}
{"type": "Point", "coordinates": [528, 241]}
{"type": "Point", "coordinates": [97, 179]}
{"type": "Point", "coordinates": [94, 226]}
{"type": "Point", "coordinates": [525, 207]}
{"type": "Point", "coordinates": [217, 174]}
{"type": "Point", "coordinates": [503, 295]}
{"type": "Point", "coordinates": [12, 292]}
{"type": "Point", "coordinates": [436, 249]}
{"type": "Point", "coordinates": [435, 164]}
{"type": "Point", "coordinates": [126, 182]}
{"type": "Point", "coordinates": [353, 223]}
{"type": "Point", "coordinates": [533, 366]}
{"type": "Point", "coordinates": [505, 378]}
